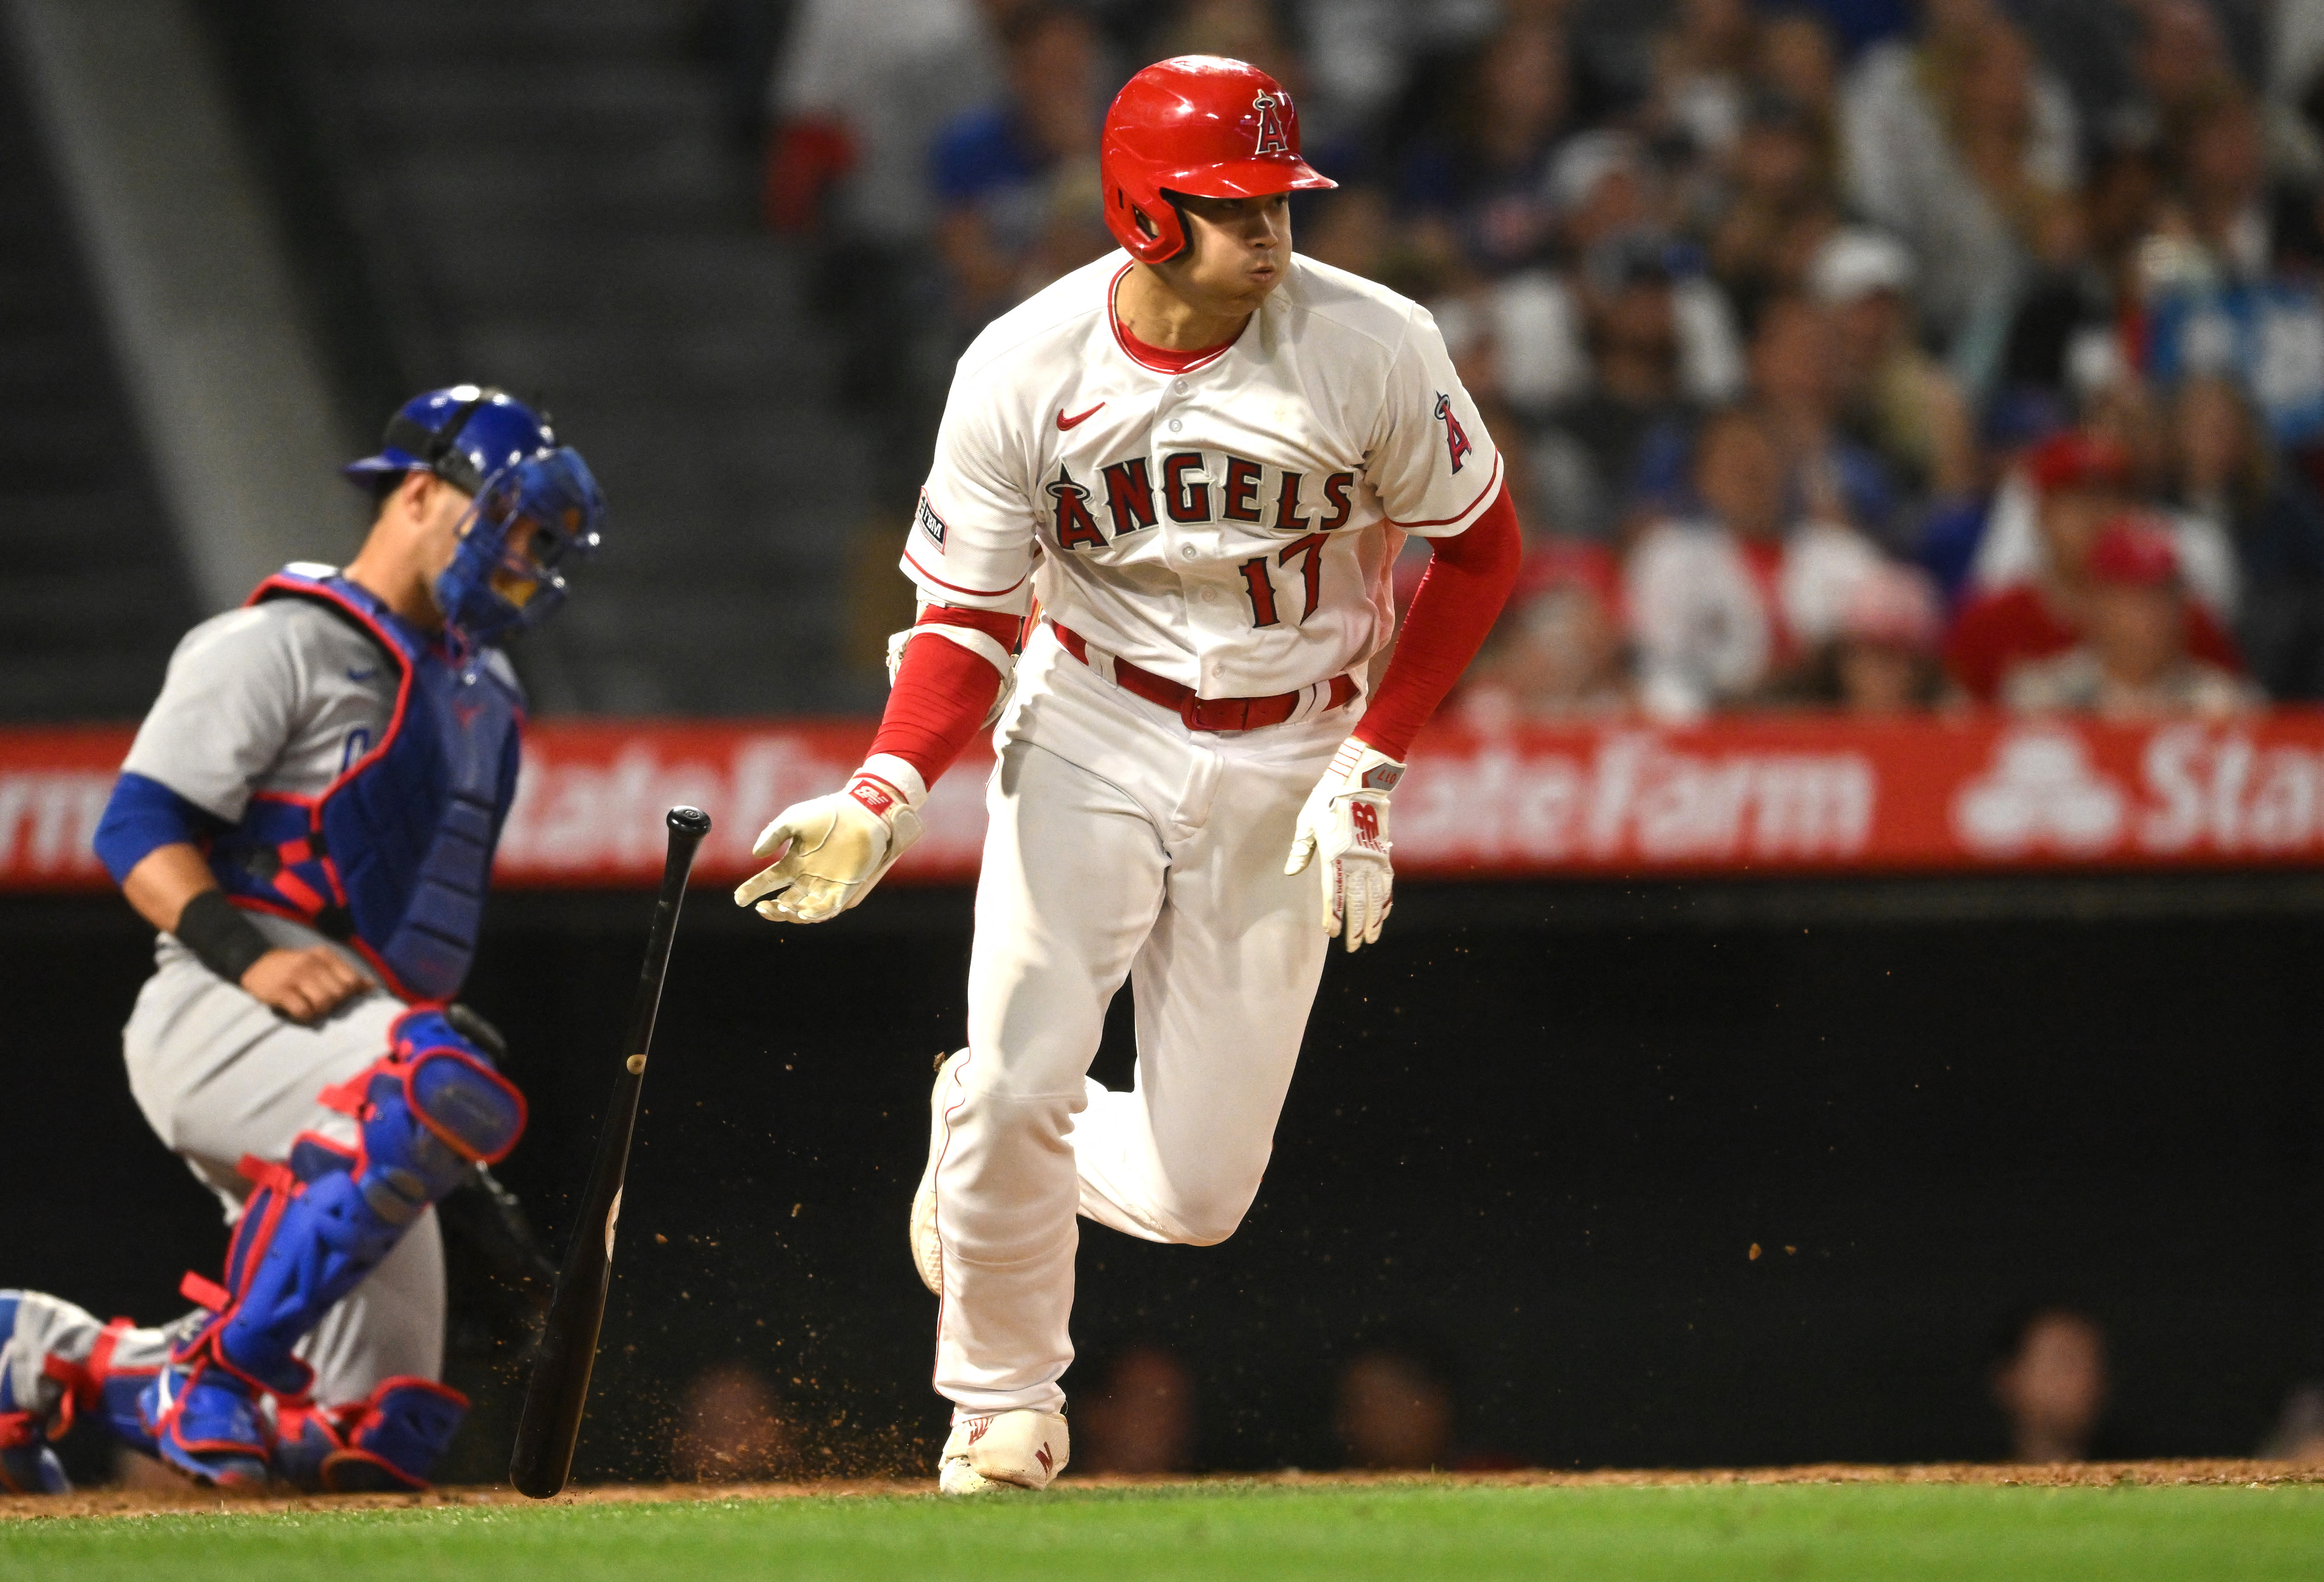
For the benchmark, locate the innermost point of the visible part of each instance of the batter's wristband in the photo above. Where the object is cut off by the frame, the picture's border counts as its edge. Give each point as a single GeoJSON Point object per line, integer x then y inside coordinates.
{"type": "Point", "coordinates": [220, 937]}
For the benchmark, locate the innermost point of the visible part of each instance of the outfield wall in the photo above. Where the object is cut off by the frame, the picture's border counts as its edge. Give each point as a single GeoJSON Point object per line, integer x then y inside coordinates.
{"type": "Point", "coordinates": [1774, 794]}
{"type": "Point", "coordinates": [1542, 1123]}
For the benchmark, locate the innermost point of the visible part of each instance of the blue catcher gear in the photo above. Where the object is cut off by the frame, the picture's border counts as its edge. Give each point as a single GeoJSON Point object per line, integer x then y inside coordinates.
{"type": "Point", "coordinates": [311, 1233]}
{"type": "Point", "coordinates": [395, 855]}
{"type": "Point", "coordinates": [536, 504]}
{"type": "Point", "coordinates": [384, 1445]}
{"type": "Point", "coordinates": [530, 517]}
{"type": "Point", "coordinates": [58, 1363]}
{"type": "Point", "coordinates": [463, 434]}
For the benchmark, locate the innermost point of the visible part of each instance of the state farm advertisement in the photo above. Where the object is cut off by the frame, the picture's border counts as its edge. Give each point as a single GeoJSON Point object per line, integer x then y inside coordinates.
{"type": "Point", "coordinates": [1777, 794]}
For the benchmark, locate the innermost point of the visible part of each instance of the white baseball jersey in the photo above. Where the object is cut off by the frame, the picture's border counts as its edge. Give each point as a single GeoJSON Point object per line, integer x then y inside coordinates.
{"type": "Point", "coordinates": [1228, 526]}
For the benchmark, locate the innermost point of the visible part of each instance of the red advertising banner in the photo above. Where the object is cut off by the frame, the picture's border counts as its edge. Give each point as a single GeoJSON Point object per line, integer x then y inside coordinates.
{"type": "Point", "coordinates": [1790, 794]}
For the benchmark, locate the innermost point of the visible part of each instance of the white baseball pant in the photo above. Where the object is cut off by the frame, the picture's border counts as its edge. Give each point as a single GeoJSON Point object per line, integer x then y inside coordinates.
{"type": "Point", "coordinates": [1120, 843]}
{"type": "Point", "coordinates": [218, 1075]}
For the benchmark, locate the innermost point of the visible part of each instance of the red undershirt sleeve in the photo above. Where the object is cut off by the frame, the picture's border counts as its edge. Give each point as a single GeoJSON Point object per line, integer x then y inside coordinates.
{"type": "Point", "coordinates": [943, 692]}
{"type": "Point", "coordinates": [1469, 578]}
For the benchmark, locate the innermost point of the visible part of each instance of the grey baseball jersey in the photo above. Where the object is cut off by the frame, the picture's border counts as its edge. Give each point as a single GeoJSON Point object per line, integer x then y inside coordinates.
{"type": "Point", "coordinates": [280, 697]}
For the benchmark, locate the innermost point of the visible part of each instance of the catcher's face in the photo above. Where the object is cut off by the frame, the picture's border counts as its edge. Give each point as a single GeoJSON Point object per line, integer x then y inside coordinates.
{"type": "Point", "coordinates": [1241, 250]}
{"type": "Point", "coordinates": [427, 514]}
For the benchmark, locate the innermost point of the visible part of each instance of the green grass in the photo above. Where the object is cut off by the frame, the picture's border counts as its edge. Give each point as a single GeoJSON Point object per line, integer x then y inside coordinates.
{"type": "Point", "coordinates": [1724, 1534]}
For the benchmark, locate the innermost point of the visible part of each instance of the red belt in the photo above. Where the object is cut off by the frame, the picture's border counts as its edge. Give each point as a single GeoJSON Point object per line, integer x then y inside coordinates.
{"type": "Point", "coordinates": [1205, 714]}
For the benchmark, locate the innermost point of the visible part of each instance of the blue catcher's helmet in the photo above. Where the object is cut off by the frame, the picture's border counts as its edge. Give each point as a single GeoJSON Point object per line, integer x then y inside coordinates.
{"type": "Point", "coordinates": [536, 505]}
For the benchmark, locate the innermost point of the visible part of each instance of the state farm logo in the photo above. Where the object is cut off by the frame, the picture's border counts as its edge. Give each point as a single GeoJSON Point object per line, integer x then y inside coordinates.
{"type": "Point", "coordinates": [2189, 790]}
{"type": "Point", "coordinates": [48, 821]}
{"type": "Point", "coordinates": [1640, 796]}
{"type": "Point", "coordinates": [2042, 793]}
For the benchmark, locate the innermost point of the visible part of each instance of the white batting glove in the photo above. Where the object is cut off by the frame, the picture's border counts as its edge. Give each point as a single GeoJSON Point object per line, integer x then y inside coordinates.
{"type": "Point", "coordinates": [831, 850]}
{"type": "Point", "coordinates": [1346, 820]}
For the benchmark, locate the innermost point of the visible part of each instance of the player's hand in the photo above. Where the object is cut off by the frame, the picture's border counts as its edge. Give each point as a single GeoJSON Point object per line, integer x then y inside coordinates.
{"type": "Point", "coordinates": [306, 986]}
{"type": "Point", "coordinates": [1346, 822]}
{"type": "Point", "coordinates": [829, 851]}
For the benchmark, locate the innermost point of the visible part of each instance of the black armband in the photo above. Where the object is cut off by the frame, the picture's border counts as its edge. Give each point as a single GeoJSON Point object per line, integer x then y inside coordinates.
{"type": "Point", "coordinates": [220, 937]}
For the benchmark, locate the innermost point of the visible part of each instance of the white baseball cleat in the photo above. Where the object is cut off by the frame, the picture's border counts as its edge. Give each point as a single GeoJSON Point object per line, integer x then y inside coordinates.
{"type": "Point", "coordinates": [1013, 1450]}
{"type": "Point", "coordinates": [927, 1251]}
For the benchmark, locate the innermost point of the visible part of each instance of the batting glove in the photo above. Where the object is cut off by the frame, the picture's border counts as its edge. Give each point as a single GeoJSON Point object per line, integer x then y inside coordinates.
{"type": "Point", "coordinates": [831, 850]}
{"type": "Point", "coordinates": [1346, 820]}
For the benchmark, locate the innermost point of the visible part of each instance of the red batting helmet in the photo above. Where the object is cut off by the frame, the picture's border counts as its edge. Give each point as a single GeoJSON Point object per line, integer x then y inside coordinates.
{"type": "Point", "coordinates": [1199, 125]}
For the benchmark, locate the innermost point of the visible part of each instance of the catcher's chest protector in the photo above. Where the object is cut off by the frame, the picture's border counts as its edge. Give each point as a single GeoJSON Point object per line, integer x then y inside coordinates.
{"type": "Point", "coordinates": [394, 856]}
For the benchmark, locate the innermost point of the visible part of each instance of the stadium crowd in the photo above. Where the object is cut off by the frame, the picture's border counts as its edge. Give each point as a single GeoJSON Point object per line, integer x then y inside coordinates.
{"type": "Point", "coordinates": [1846, 353]}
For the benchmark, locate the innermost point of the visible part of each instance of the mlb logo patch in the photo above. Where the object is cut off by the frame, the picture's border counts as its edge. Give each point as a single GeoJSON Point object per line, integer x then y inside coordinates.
{"type": "Point", "coordinates": [928, 522]}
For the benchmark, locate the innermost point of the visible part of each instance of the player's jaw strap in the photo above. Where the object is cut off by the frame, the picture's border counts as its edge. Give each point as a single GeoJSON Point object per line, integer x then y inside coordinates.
{"type": "Point", "coordinates": [1216, 715]}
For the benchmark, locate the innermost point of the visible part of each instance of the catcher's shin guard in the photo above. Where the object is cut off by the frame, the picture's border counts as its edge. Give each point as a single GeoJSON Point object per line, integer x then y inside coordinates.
{"type": "Point", "coordinates": [386, 1444]}
{"type": "Point", "coordinates": [58, 1363]}
{"type": "Point", "coordinates": [317, 1226]}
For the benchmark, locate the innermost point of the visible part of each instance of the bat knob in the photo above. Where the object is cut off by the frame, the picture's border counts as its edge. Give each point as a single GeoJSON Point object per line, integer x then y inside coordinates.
{"type": "Point", "coordinates": [693, 821]}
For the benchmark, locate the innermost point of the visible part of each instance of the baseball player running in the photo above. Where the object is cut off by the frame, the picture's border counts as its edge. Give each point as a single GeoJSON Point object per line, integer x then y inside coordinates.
{"type": "Point", "coordinates": [1186, 468]}
{"type": "Point", "coordinates": [307, 814]}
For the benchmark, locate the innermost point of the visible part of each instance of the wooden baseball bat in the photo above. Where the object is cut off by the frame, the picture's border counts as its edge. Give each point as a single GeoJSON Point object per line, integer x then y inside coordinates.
{"type": "Point", "coordinates": [550, 1425]}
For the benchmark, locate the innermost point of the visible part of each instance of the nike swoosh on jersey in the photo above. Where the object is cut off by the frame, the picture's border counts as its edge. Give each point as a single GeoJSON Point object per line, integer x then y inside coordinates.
{"type": "Point", "coordinates": [363, 675]}
{"type": "Point", "coordinates": [1064, 423]}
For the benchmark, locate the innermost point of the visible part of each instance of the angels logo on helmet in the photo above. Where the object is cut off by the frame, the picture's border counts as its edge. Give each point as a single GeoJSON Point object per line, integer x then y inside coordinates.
{"type": "Point", "coordinates": [1271, 139]}
{"type": "Point", "coordinates": [1178, 130]}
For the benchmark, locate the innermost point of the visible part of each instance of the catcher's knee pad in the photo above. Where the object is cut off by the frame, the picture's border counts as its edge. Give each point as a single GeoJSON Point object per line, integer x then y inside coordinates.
{"type": "Point", "coordinates": [319, 1224]}
{"type": "Point", "coordinates": [387, 1443]}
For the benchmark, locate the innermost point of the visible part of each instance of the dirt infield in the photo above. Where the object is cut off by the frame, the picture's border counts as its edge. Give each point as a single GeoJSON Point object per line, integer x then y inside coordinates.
{"type": "Point", "coordinates": [189, 1500]}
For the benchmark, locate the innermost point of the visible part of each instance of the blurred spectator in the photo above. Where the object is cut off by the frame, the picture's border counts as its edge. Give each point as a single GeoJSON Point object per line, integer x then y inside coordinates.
{"type": "Point", "coordinates": [1857, 24]}
{"type": "Point", "coordinates": [858, 95]}
{"type": "Point", "coordinates": [860, 92]}
{"type": "Point", "coordinates": [731, 1427]}
{"type": "Point", "coordinates": [1603, 184]}
{"type": "Point", "coordinates": [1394, 1410]}
{"type": "Point", "coordinates": [1895, 397]}
{"type": "Point", "coordinates": [2065, 333]}
{"type": "Point", "coordinates": [1240, 30]}
{"type": "Point", "coordinates": [1958, 143]}
{"type": "Point", "coordinates": [2214, 303]}
{"type": "Point", "coordinates": [2132, 662]}
{"type": "Point", "coordinates": [1700, 72]}
{"type": "Point", "coordinates": [2298, 1431]}
{"type": "Point", "coordinates": [1795, 382]}
{"type": "Point", "coordinates": [1018, 179]}
{"type": "Point", "coordinates": [1774, 207]}
{"type": "Point", "coordinates": [1952, 533]}
{"type": "Point", "coordinates": [1882, 658]}
{"type": "Point", "coordinates": [1140, 1420]}
{"type": "Point", "coordinates": [1557, 653]}
{"type": "Point", "coordinates": [1655, 348]}
{"type": "Point", "coordinates": [1723, 604]}
{"type": "Point", "coordinates": [1480, 171]}
{"type": "Point", "coordinates": [2223, 183]}
{"type": "Point", "coordinates": [2183, 62]}
{"type": "Point", "coordinates": [2129, 412]}
{"type": "Point", "coordinates": [2034, 574]}
{"type": "Point", "coordinates": [2049, 1377]}
{"type": "Point", "coordinates": [1798, 60]}
{"type": "Point", "coordinates": [2228, 475]}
